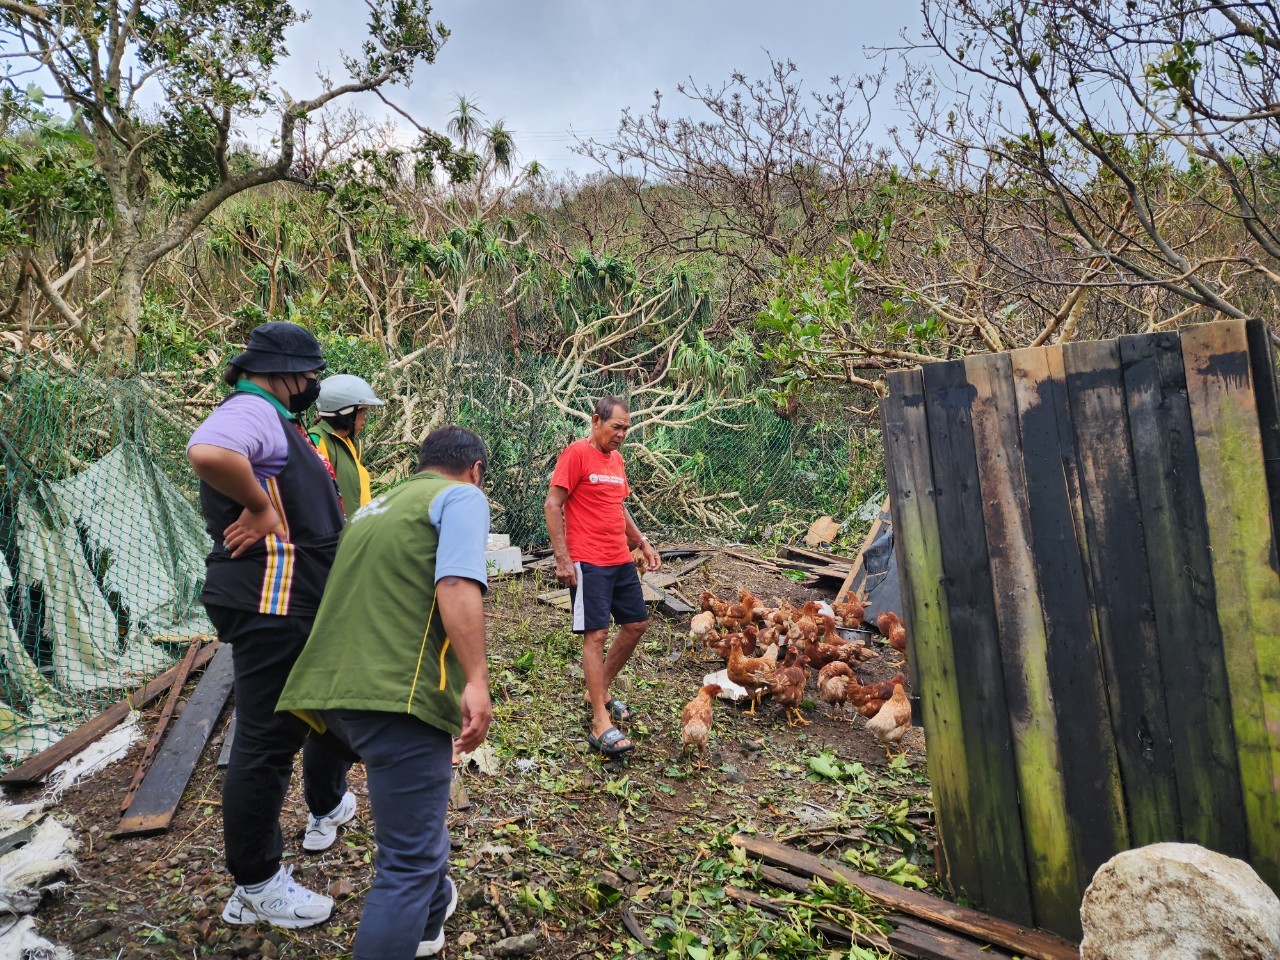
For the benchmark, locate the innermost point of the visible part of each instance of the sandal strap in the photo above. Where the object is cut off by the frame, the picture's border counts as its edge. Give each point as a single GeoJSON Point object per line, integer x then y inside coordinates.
{"type": "Point", "coordinates": [611, 737]}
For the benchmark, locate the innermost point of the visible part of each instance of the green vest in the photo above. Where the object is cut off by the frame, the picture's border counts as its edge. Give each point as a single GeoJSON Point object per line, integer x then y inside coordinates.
{"type": "Point", "coordinates": [378, 642]}
{"type": "Point", "coordinates": [353, 479]}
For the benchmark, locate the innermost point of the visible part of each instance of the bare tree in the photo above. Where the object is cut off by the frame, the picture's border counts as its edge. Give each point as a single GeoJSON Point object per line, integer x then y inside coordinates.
{"type": "Point", "coordinates": [212, 61]}
{"type": "Point", "coordinates": [758, 171]}
{"type": "Point", "coordinates": [1137, 138]}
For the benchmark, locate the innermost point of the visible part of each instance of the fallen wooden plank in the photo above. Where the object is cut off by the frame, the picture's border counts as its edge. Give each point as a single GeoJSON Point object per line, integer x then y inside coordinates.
{"type": "Point", "coordinates": [228, 738]}
{"type": "Point", "coordinates": [857, 562]}
{"type": "Point", "coordinates": [831, 931]}
{"type": "Point", "coordinates": [1022, 940]}
{"type": "Point", "coordinates": [674, 605]}
{"type": "Point", "coordinates": [162, 723]}
{"type": "Point", "coordinates": [42, 764]}
{"type": "Point", "coordinates": [653, 586]}
{"type": "Point", "coordinates": [749, 558]}
{"type": "Point", "coordinates": [911, 939]}
{"type": "Point", "coordinates": [685, 568]}
{"type": "Point", "coordinates": [157, 798]}
{"type": "Point", "coordinates": [819, 557]}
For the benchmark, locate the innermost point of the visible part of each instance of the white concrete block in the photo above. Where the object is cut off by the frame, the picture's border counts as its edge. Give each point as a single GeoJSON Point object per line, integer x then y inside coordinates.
{"type": "Point", "coordinates": [505, 560]}
{"type": "Point", "coordinates": [497, 541]}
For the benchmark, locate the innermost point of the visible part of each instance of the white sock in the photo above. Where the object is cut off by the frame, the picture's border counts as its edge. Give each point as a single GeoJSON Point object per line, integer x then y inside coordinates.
{"type": "Point", "coordinates": [259, 887]}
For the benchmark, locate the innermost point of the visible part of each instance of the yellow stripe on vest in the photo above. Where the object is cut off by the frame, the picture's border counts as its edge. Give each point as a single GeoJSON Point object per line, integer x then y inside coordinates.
{"type": "Point", "coordinates": [422, 652]}
{"type": "Point", "coordinates": [444, 648]}
{"type": "Point", "coordinates": [365, 487]}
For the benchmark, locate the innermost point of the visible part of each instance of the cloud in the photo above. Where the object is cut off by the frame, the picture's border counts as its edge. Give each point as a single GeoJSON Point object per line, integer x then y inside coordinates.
{"type": "Point", "coordinates": [549, 67]}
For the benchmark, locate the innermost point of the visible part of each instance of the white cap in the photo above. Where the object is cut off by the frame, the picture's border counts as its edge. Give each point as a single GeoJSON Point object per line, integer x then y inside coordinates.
{"type": "Point", "coordinates": [343, 393]}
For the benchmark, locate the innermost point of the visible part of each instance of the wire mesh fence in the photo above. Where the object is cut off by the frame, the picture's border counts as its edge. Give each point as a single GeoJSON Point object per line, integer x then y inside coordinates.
{"type": "Point", "coordinates": [102, 545]}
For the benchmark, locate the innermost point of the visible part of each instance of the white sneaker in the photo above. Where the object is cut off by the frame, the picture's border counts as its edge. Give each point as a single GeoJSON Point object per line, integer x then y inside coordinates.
{"type": "Point", "coordinates": [322, 831]}
{"type": "Point", "coordinates": [282, 903]}
{"type": "Point", "coordinates": [429, 948]}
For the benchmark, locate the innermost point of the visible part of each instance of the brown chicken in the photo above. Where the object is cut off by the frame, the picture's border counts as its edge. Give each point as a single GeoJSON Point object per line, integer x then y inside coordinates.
{"type": "Point", "coordinates": [869, 708]}
{"type": "Point", "coordinates": [852, 652]}
{"type": "Point", "coordinates": [750, 672]}
{"type": "Point", "coordinates": [782, 616]}
{"type": "Point", "coordinates": [811, 610]}
{"type": "Point", "coordinates": [718, 643]}
{"type": "Point", "coordinates": [695, 723]}
{"type": "Point", "coordinates": [750, 640]}
{"type": "Point", "coordinates": [878, 691]}
{"type": "Point", "coordinates": [702, 627]}
{"type": "Point", "coordinates": [713, 604]}
{"type": "Point", "coordinates": [755, 609]}
{"type": "Point", "coordinates": [834, 681]}
{"type": "Point", "coordinates": [895, 633]}
{"type": "Point", "coordinates": [821, 654]}
{"type": "Point", "coordinates": [893, 720]}
{"type": "Point", "coordinates": [851, 612]}
{"type": "Point", "coordinates": [786, 685]}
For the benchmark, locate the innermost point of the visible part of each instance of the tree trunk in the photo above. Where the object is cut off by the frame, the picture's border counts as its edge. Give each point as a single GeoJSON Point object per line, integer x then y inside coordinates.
{"type": "Point", "coordinates": [120, 320]}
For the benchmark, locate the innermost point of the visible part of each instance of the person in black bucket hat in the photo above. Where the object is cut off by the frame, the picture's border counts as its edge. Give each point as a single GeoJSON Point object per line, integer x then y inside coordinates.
{"type": "Point", "coordinates": [272, 509]}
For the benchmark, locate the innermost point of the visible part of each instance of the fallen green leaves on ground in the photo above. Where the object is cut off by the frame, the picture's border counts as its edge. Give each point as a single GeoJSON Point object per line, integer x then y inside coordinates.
{"type": "Point", "coordinates": [559, 843]}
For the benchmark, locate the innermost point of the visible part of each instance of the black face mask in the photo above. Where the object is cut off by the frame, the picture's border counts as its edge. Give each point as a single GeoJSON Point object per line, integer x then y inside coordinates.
{"type": "Point", "coordinates": [302, 401]}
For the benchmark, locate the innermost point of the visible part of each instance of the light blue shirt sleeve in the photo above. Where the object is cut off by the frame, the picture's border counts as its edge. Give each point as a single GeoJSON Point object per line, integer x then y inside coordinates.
{"type": "Point", "coordinates": [461, 516]}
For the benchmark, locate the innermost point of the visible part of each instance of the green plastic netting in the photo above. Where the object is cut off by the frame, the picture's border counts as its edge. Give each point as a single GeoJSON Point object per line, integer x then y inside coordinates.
{"type": "Point", "coordinates": [102, 545]}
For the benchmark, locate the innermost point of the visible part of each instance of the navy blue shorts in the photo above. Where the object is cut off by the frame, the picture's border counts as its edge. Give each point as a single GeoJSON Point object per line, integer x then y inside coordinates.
{"type": "Point", "coordinates": [605, 591]}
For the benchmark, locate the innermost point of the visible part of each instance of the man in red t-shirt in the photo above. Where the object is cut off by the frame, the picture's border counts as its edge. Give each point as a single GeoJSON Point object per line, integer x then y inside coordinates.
{"type": "Point", "coordinates": [592, 534]}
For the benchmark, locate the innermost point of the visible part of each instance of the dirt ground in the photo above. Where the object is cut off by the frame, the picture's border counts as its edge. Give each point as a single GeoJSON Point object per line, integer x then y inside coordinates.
{"type": "Point", "coordinates": [556, 842]}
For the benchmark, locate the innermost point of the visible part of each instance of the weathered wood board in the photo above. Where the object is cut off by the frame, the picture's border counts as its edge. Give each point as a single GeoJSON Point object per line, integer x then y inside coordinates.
{"type": "Point", "coordinates": [974, 641]}
{"type": "Point", "coordinates": [156, 800]}
{"type": "Point", "coordinates": [933, 669]}
{"type": "Point", "coordinates": [1054, 876]}
{"type": "Point", "coordinates": [1228, 440]}
{"type": "Point", "coordinates": [1022, 940]}
{"type": "Point", "coordinates": [1093, 793]}
{"type": "Point", "coordinates": [1122, 590]}
{"type": "Point", "coordinates": [1181, 569]}
{"type": "Point", "coordinates": [1098, 526]}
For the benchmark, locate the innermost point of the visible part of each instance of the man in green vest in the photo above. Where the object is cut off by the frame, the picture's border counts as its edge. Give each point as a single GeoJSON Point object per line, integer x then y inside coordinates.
{"type": "Point", "coordinates": [395, 668]}
{"type": "Point", "coordinates": [343, 406]}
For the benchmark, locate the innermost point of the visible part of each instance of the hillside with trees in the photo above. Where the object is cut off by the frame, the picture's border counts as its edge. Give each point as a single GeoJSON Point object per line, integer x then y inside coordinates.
{"type": "Point", "coordinates": [749, 258]}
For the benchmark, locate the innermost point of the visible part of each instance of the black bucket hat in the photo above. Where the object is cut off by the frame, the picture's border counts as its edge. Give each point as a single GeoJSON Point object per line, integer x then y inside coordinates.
{"type": "Point", "coordinates": [280, 347]}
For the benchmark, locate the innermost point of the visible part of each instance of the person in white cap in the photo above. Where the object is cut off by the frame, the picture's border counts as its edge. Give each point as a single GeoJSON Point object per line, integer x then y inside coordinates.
{"type": "Point", "coordinates": [343, 407]}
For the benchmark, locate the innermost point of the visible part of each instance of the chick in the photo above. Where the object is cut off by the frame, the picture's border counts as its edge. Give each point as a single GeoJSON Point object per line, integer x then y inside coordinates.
{"type": "Point", "coordinates": [695, 723]}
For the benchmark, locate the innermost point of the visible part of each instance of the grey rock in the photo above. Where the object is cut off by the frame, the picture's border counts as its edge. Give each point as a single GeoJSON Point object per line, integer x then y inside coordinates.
{"type": "Point", "coordinates": [521, 946]}
{"type": "Point", "coordinates": [1178, 901]}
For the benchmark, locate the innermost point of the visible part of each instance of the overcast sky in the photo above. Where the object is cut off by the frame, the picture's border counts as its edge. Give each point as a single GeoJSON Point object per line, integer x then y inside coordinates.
{"type": "Point", "coordinates": [549, 67]}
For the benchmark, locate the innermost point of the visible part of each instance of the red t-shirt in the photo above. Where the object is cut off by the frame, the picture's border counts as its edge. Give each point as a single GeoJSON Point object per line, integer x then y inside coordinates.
{"type": "Point", "coordinates": [597, 483]}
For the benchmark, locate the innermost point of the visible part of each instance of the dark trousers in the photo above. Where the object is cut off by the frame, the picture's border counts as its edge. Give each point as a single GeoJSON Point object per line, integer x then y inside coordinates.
{"type": "Point", "coordinates": [409, 766]}
{"type": "Point", "coordinates": [264, 647]}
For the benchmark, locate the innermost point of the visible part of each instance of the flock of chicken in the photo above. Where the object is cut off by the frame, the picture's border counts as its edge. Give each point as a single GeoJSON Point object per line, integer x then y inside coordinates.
{"type": "Point", "coordinates": [749, 637]}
